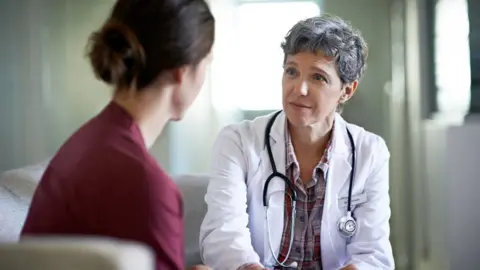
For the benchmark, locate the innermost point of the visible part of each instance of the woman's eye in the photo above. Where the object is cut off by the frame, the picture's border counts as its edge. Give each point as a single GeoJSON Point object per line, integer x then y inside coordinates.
{"type": "Point", "coordinates": [291, 71]}
{"type": "Point", "coordinates": [318, 77]}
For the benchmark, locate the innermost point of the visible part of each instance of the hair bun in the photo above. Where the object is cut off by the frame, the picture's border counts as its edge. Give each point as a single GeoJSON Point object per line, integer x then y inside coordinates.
{"type": "Point", "coordinates": [116, 54]}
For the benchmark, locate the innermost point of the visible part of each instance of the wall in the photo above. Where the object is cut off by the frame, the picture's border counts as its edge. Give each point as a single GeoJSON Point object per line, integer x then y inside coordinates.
{"type": "Point", "coordinates": [452, 179]}
{"type": "Point", "coordinates": [369, 107]}
{"type": "Point", "coordinates": [47, 87]}
{"type": "Point", "coordinates": [473, 8]}
{"type": "Point", "coordinates": [462, 200]}
{"type": "Point", "coordinates": [435, 200]}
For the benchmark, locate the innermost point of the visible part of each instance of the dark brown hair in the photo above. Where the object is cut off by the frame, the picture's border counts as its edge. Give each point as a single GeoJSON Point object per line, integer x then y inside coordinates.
{"type": "Point", "coordinates": [143, 38]}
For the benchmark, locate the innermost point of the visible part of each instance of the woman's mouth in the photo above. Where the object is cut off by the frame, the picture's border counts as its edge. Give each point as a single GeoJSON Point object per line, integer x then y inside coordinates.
{"type": "Point", "coordinates": [299, 105]}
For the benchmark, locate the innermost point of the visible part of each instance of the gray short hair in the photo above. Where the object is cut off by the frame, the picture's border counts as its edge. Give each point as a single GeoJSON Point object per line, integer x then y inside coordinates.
{"type": "Point", "coordinates": [335, 38]}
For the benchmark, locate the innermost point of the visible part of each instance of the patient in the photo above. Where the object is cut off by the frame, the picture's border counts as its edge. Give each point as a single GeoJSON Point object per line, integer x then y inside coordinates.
{"type": "Point", "coordinates": [103, 181]}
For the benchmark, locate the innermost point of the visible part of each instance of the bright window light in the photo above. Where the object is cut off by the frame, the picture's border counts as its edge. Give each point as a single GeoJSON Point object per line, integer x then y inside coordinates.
{"type": "Point", "coordinates": [259, 30]}
{"type": "Point", "coordinates": [452, 56]}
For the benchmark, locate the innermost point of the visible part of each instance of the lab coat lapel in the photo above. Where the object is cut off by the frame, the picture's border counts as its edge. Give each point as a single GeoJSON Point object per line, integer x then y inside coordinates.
{"type": "Point", "coordinates": [337, 177]}
{"type": "Point", "coordinates": [276, 189]}
{"type": "Point", "coordinates": [339, 163]}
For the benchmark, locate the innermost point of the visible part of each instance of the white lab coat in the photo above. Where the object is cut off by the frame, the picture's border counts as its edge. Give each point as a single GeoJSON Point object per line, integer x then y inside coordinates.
{"type": "Point", "coordinates": [233, 232]}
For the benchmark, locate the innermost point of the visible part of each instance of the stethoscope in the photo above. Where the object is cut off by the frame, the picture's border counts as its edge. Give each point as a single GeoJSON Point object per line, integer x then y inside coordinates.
{"type": "Point", "coordinates": [347, 225]}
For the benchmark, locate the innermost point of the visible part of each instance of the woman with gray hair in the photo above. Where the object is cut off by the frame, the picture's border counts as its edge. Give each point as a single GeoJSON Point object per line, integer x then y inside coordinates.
{"type": "Point", "coordinates": [302, 188]}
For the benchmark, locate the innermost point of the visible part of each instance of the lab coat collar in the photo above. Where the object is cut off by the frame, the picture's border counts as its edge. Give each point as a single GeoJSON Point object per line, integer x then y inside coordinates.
{"type": "Point", "coordinates": [340, 140]}
{"type": "Point", "coordinates": [278, 129]}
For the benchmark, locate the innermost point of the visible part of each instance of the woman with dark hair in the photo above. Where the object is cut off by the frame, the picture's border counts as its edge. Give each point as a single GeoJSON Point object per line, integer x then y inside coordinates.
{"type": "Point", "coordinates": [103, 181]}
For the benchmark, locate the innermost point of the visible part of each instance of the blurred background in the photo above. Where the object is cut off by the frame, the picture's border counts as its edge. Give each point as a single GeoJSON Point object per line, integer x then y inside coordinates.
{"type": "Point", "coordinates": [421, 92]}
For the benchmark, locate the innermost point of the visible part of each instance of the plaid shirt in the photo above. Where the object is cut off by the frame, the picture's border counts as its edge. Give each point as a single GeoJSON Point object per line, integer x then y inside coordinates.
{"type": "Point", "coordinates": [310, 197]}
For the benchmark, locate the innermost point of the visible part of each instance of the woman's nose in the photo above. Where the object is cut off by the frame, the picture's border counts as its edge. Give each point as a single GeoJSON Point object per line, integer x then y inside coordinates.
{"type": "Point", "coordinates": [301, 88]}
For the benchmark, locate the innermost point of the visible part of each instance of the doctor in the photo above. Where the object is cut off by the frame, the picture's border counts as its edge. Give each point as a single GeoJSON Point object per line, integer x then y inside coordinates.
{"type": "Point", "coordinates": [302, 188]}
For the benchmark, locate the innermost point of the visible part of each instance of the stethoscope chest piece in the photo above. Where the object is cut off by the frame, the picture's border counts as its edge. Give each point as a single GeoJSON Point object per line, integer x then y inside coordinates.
{"type": "Point", "coordinates": [347, 226]}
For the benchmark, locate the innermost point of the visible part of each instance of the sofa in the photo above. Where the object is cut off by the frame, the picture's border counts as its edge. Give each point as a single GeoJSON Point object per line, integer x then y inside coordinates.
{"type": "Point", "coordinates": [17, 187]}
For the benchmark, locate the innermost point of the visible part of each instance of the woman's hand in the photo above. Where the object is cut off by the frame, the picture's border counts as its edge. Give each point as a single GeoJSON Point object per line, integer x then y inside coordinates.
{"type": "Point", "coordinates": [255, 267]}
{"type": "Point", "coordinates": [199, 267]}
{"type": "Point", "coordinates": [252, 267]}
{"type": "Point", "coordinates": [350, 267]}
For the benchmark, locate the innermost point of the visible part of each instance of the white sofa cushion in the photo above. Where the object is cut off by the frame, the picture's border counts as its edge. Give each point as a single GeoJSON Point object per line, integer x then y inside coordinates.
{"type": "Point", "coordinates": [16, 191]}
{"type": "Point", "coordinates": [54, 253]}
{"type": "Point", "coordinates": [23, 181]}
{"type": "Point", "coordinates": [12, 215]}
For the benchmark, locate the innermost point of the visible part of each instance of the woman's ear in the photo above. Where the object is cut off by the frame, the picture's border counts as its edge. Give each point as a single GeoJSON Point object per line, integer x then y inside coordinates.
{"type": "Point", "coordinates": [178, 74]}
{"type": "Point", "coordinates": [348, 91]}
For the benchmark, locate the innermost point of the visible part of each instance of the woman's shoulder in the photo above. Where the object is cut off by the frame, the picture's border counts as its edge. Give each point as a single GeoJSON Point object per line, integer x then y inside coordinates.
{"type": "Point", "coordinates": [249, 126]}
{"type": "Point", "coordinates": [250, 130]}
{"type": "Point", "coordinates": [141, 164]}
{"type": "Point", "coordinates": [367, 141]}
{"type": "Point", "coordinates": [245, 138]}
{"type": "Point", "coordinates": [140, 176]}
{"type": "Point", "coordinates": [129, 166]}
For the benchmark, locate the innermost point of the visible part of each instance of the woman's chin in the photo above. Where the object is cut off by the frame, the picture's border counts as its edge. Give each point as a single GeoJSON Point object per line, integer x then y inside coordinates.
{"type": "Point", "coordinates": [298, 120]}
{"type": "Point", "coordinates": [176, 118]}
{"type": "Point", "coordinates": [177, 115]}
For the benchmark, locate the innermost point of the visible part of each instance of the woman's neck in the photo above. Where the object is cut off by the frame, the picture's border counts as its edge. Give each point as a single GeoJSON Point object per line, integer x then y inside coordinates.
{"type": "Point", "coordinates": [150, 109]}
{"type": "Point", "coordinates": [310, 137]}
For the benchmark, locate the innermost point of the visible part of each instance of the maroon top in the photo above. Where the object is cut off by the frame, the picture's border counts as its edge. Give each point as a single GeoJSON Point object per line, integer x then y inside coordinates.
{"type": "Point", "coordinates": [104, 182]}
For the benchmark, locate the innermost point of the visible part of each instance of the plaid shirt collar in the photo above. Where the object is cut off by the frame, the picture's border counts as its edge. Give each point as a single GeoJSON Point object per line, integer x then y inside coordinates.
{"type": "Point", "coordinates": [291, 157]}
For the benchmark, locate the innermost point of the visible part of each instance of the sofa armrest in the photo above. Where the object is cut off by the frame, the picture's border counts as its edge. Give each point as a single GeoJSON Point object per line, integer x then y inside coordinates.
{"type": "Point", "coordinates": [55, 253]}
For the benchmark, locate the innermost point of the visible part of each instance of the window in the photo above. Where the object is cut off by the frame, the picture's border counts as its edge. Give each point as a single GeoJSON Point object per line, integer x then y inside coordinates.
{"type": "Point", "coordinates": [259, 29]}
{"type": "Point", "coordinates": [452, 59]}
